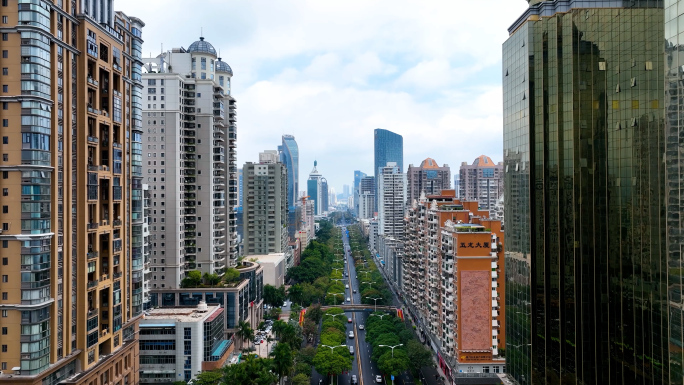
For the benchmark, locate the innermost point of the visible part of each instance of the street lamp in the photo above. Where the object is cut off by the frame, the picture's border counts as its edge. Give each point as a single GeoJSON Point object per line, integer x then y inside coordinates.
{"type": "Point", "coordinates": [376, 302]}
{"type": "Point", "coordinates": [391, 347]}
{"type": "Point", "coordinates": [378, 315]}
{"type": "Point", "coordinates": [332, 348]}
{"type": "Point", "coordinates": [335, 296]}
{"type": "Point", "coordinates": [335, 315]}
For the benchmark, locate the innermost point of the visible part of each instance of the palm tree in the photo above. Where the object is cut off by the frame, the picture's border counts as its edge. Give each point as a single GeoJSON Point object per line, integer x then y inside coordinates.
{"type": "Point", "coordinates": [283, 360]}
{"type": "Point", "coordinates": [245, 332]}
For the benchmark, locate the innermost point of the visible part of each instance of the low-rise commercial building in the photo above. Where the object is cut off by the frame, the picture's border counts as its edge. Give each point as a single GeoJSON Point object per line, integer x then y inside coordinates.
{"type": "Point", "coordinates": [275, 268]}
{"type": "Point", "coordinates": [178, 343]}
{"type": "Point", "coordinates": [242, 301]}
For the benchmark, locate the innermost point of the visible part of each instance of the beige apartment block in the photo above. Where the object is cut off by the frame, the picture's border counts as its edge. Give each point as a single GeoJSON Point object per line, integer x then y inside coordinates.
{"type": "Point", "coordinates": [71, 287]}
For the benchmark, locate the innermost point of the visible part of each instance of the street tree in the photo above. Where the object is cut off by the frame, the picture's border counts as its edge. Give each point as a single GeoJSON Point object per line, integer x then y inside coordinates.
{"type": "Point", "coordinates": [283, 360]}
{"type": "Point", "coordinates": [252, 371]}
{"type": "Point", "coordinates": [332, 361]}
{"type": "Point", "coordinates": [419, 356]}
{"type": "Point", "coordinates": [394, 363]}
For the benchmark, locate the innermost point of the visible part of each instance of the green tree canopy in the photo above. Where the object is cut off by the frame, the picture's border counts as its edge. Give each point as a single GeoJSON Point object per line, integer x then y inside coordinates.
{"type": "Point", "coordinates": [274, 296]}
{"type": "Point", "coordinates": [252, 371]}
{"type": "Point", "coordinates": [232, 275]}
{"type": "Point", "coordinates": [394, 364]}
{"type": "Point", "coordinates": [419, 356]}
{"type": "Point", "coordinates": [192, 279]}
{"type": "Point", "coordinates": [209, 377]}
{"type": "Point", "coordinates": [332, 361]}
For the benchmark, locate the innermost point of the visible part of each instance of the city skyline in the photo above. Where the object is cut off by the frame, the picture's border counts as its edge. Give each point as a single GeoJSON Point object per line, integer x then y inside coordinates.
{"type": "Point", "coordinates": [398, 72]}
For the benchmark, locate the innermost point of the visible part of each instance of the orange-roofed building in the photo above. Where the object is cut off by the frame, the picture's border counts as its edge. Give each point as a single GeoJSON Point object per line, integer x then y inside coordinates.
{"type": "Point", "coordinates": [429, 178]}
{"type": "Point", "coordinates": [481, 181]}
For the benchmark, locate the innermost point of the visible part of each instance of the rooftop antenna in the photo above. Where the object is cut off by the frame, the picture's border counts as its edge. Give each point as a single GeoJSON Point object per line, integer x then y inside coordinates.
{"type": "Point", "coordinates": [201, 31]}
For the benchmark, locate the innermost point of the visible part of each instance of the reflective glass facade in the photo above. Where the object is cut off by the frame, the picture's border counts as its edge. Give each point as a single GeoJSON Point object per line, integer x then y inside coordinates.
{"type": "Point", "coordinates": [289, 156]}
{"type": "Point", "coordinates": [389, 147]}
{"type": "Point", "coordinates": [586, 295]}
{"type": "Point", "coordinates": [674, 121]}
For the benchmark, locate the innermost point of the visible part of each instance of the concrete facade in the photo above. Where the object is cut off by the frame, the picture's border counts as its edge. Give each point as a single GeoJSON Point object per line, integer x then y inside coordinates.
{"type": "Point", "coordinates": [189, 151]}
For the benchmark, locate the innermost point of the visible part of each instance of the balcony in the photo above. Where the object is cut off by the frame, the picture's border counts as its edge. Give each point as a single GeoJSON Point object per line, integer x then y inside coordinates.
{"type": "Point", "coordinates": [92, 255]}
{"type": "Point", "coordinates": [92, 284]}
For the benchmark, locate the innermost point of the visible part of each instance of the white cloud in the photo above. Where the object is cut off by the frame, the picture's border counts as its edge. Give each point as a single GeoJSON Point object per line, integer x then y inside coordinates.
{"type": "Point", "coordinates": [330, 72]}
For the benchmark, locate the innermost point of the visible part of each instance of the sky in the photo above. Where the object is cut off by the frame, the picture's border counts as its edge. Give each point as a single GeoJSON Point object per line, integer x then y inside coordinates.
{"type": "Point", "coordinates": [329, 72]}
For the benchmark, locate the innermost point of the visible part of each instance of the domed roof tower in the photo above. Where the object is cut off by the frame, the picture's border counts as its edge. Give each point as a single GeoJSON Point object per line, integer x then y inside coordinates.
{"type": "Point", "coordinates": [201, 46]}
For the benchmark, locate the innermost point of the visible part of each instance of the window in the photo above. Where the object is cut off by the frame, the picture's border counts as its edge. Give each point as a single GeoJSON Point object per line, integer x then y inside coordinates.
{"type": "Point", "coordinates": [5, 54]}
{"type": "Point", "coordinates": [5, 122]}
{"type": "Point", "coordinates": [5, 140]}
{"type": "Point", "coordinates": [4, 298]}
{"type": "Point", "coordinates": [5, 106]}
{"type": "Point", "coordinates": [5, 174]}
{"type": "Point", "coordinates": [5, 71]}
{"type": "Point", "coordinates": [4, 3]}
{"type": "Point", "coordinates": [5, 261]}
{"type": "Point", "coordinates": [4, 348]}
{"type": "Point", "coordinates": [5, 209]}
{"type": "Point", "coordinates": [5, 192]}
{"type": "Point", "coordinates": [5, 278]}
{"type": "Point", "coordinates": [5, 244]}
{"type": "Point", "coordinates": [4, 313]}
{"type": "Point", "coordinates": [5, 157]}
{"type": "Point", "coordinates": [5, 88]}
{"type": "Point", "coordinates": [4, 364]}
{"type": "Point", "coordinates": [5, 36]}
{"type": "Point", "coordinates": [4, 20]}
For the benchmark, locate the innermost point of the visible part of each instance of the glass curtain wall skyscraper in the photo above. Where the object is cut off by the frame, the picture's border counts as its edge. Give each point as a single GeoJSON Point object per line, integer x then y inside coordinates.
{"type": "Point", "coordinates": [388, 147]}
{"type": "Point", "coordinates": [289, 156]}
{"type": "Point", "coordinates": [586, 257]}
{"type": "Point", "coordinates": [674, 123]}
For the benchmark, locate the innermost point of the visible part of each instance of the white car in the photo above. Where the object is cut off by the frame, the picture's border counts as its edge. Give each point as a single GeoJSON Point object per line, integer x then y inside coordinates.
{"type": "Point", "coordinates": [351, 334]}
{"type": "Point", "coordinates": [348, 299]}
{"type": "Point", "coordinates": [361, 327]}
{"type": "Point", "coordinates": [346, 286]}
{"type": "Point", "coordinates": [378, 379]}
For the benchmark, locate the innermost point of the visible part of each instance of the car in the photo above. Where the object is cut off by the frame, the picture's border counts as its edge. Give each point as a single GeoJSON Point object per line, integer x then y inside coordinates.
{"type": "Point", "coordinates": [346, 286]}
{"type": "Point", "coordinates": [354, 381]}
{"type": "Point", "coordinates": [351, 334]}
{"type": "Point", "coordinates": [378, 379]}
{"type": "Point", "coordinates": [354, 290]}
{"type": "Point", "coordinates": [257, 341]}
{"type": "Point", "coordinates": [348, 299]}
{"type": "Point", "coordinates": [361, 327]}
{"type": "Point", "coordinates": [351, 349]}
{"type": "Point", "coordinates": [349, 320]}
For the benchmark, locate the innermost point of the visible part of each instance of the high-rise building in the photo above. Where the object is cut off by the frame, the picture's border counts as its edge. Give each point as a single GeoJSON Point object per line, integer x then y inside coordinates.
{"type": "Point", "coordinates": [388, 147]}
{"type": "Point", "coordinates": [191, 162]}
{"type": "Point", "coordinates": [391, 209]}
{"type": "Point", "coordinates": [289, 156]}
{"type": "Point", "coordinates": [674, 188]}
{"type": "Point", "coordinates": [429, 178]}
{"type": "Point", "coordinates": [366, 198]}
{"type": "Point", "coordinates": [325, 197]}
{"type": "Point", "coordinates": [345, 191]}
{"type": "Point", "coordinates": [358, 175]}
{"type": "Point", "coordinates": [71, 193]}
{"type": "Point", "coordinates": [265, 207]}
{"type": "Point", "coordinates": [392, 183]}
{"type": "Point", "coordinates": [585, 204]}
{"type": "Point", "coordinates": [315, 191]}
{"type": "Point", "coordinates": [240, 193]}
{"type": "Point", "coordinates": [454, 282]}
{"type": "Point", "coordinates": [481, 181]}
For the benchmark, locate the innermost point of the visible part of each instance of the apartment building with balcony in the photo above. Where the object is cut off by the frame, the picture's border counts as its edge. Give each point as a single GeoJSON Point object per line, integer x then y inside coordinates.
{"type": "Point", "coordinates": [481, 181]}
{"type": "Point", "coordinates": [70, 295]}
{"type": "Point", "coordinates": [428, 178]}
{"type": "Point", "coordinates": [453, 266]}
{"type": "Point", "coordinates": [265, 207]}
{"type": "Point", "coordinates": [189, 151]}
